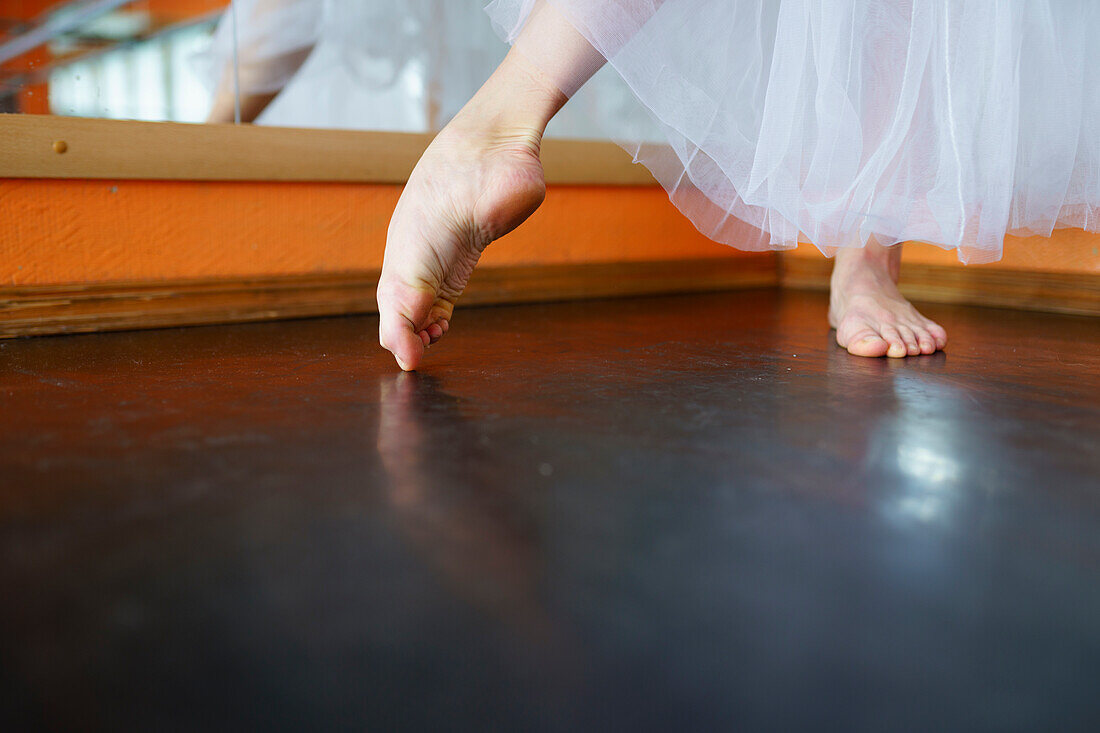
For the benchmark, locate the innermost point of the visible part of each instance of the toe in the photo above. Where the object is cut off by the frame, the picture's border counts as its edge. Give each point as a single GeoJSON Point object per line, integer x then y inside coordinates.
{"type": "Point", "coordinates": [926, 342]}
{"type": "Point", "coordinates": [865, 342]}
{"type": "Point", "coordinates": [939, 335]}
{"type": "Point", "coordinates": [897, 348]}
{"type": "Point", "coordinates": [396, 334]}
{"type": "Point", "coordinates": [401, 310]}
{"type": "Point", "coordinates": [925, 339]}
{"type": "Point", "coordinates": [869, 346]}
{"type": "Point", "coordinates": [435, 332]}
{"type": "Point", "coordinates": [912, 348]}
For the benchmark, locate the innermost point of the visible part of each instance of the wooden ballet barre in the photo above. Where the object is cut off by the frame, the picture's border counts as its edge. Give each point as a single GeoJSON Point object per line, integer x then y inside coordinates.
{"type": "Point", "coordinates": [41, 146]}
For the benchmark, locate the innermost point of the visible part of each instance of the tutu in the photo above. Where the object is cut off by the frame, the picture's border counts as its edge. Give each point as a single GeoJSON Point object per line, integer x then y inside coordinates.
{"type": "Point", "coordinates": [951, 122]}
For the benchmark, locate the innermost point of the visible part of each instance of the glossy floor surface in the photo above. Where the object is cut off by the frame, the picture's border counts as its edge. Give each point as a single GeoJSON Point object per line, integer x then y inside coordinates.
{"type": "Point", "coordinates": [673, 513]}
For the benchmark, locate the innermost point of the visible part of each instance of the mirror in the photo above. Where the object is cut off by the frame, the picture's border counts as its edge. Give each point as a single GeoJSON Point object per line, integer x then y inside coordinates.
{"type": "Point", "coordinates": [106, 58]}
{"type": "Point", "coordinates": [404, 65]}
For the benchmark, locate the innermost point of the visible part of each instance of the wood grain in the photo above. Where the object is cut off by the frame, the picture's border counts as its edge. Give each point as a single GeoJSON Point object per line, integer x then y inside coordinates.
{"type": "Point", "coordinates": [118, 149]}
{"type": "Point", "coordinates": [1055, 292]}
{"type": "Point", "coordinates": [40, 310]}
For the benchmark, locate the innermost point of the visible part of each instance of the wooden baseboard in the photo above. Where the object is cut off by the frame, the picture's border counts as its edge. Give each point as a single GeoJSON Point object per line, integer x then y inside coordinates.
{"type": "Point", "coordinates": [1077, 293]}
{"type": "Point", "coordinates": [41, 310]}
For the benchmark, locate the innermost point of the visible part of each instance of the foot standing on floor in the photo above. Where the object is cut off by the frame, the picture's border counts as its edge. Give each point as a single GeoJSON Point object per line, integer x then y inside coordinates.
{"type": "Point", "coordinates": [870, 315]}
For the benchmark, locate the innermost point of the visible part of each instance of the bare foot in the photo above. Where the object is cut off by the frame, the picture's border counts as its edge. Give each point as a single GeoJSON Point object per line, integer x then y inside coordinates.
{"type": "Point", "coordinates": [869, 314]}
{"type": "Point", "coordinates": [478, 180]}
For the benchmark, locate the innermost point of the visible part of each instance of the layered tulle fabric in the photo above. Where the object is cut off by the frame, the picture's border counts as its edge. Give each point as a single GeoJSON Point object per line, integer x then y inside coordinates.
{"type": "Point", "coordinates": [834, 121]}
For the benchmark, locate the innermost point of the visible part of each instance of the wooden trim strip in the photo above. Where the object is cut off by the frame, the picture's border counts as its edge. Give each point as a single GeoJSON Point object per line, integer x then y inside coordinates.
{"type": "Point", "coordinates": [1055, 292]}
{"type": "Point", "coordinates": [40, 310]}
{"type": "Point", "coordinates": [118, 149]}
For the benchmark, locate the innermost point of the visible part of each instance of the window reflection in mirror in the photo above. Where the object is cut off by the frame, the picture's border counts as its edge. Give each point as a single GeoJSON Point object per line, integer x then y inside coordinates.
{"type": "Point", "coordinates": [106, 58]}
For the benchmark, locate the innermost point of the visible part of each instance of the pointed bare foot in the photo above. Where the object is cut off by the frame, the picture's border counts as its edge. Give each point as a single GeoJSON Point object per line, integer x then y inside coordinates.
{"type": "Point", "coordinates": [478, 180]}
{"type": "Point", "coordinates": [870, 315]}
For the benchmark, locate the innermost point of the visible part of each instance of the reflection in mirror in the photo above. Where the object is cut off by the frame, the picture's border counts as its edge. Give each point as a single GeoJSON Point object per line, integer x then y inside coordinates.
{"type": "Point", "coordinates": [118, 59]}
{"type": "Point", "coordinates": [353, 64]}
{"type": "Point", "coordinates": [381, 65]}
{"type": "Point", "coordinates": [367, 65]}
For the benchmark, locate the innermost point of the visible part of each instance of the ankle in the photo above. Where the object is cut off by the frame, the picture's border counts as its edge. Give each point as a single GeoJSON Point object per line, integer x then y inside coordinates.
{"type": "Point", "coordinates": [517, 101]}
{"type": "Point", "coordinates": [873, 256]}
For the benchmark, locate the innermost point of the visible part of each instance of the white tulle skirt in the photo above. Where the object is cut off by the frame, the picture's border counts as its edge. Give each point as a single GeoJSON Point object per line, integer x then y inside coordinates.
{"type": "Point", "coordinates": [952, 122]}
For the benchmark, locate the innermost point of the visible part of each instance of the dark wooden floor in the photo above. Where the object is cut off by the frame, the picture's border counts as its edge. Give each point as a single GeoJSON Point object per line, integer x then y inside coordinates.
{"type": "Point", "coordinates": [683, 512]}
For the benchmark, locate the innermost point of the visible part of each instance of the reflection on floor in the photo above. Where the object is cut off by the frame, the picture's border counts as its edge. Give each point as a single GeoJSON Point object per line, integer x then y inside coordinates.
{"type": "Point", "coordinates": [672, 512]}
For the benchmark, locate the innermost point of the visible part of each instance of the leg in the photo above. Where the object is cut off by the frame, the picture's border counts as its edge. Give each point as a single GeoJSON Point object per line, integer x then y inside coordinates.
{"type": "Point", "coordinates": [869, 314]}
{"type": "Point", "coordinates": [478, 180]}
{"type": "Point", "coordinates": [223, 110]}
{"type": "Point", "coordinates": [261, 71]}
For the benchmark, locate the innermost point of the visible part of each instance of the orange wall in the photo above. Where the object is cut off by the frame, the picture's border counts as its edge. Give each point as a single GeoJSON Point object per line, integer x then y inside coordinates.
{"type": "Point", "coordinates": [31, 9]}
{"type": "Point", "coordinates": [71, 231]}
{"type": "Point", "coordinates": [25, 9]}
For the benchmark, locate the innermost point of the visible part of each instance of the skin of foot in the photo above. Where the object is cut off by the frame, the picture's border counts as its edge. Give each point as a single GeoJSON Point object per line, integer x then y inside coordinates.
{"type": "Point", "coordinates": [869, 314]}
{"type": "Point", "coordinates": [478, 180]}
